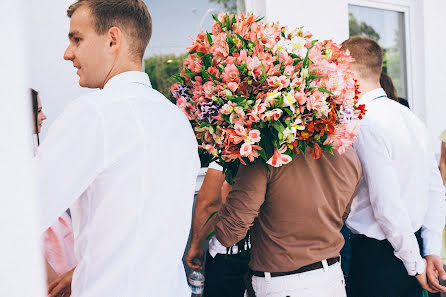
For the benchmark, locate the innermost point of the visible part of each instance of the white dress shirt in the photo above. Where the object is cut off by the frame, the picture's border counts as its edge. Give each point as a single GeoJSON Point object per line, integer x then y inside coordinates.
{"type": "Point", "coordinates": [401, 190]}
{"type": "Point", "coordinates": [125, 160]}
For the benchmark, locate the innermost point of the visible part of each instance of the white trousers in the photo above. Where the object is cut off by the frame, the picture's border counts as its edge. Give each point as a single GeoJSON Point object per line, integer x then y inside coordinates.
{"type": "Point", "coordinates": [324, 282]}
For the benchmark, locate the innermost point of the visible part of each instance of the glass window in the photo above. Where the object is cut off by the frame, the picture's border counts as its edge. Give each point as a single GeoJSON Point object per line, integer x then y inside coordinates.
{"type": "Point", "coordinates": [175, 22]}
{"type": "Point", "coordinates": [388, 28]}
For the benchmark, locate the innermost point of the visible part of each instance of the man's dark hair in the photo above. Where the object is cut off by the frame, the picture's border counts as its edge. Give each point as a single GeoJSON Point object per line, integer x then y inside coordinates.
{"type": "Point", "coordinates": [131, 16]}
{"type": "Point", "coordinates": [368, 55]}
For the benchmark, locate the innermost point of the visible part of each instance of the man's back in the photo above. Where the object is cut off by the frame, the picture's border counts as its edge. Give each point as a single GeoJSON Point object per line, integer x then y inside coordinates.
{"type": "Point", "coordinates": [299, 209]}
{"type": "Point", "coordinates": [135, 167]}
{"type": "Point", "coordinates": [392, 130]}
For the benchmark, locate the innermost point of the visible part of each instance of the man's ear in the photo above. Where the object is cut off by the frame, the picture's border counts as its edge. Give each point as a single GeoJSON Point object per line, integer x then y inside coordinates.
{"type": "Point", "coordinates": [114, 38]}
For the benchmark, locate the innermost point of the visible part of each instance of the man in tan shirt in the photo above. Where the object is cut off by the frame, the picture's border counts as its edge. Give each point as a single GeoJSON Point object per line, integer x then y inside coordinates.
{"type": "Point", "coordinates": [294, 214]}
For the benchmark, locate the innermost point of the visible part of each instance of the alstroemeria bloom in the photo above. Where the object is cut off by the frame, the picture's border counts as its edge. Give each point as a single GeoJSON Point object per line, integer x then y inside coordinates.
{"type": "Point", "coordinates": [270, 99]}
{"type": "Point", "coordinates": [249, 151]}
{"type": "Point", "coordinates": [279, 82]}
{"type": "Point", "coordinates": [228, 108]}
{"type": "Point", "coordinates": [271, 115]}
{"type": "Point", "coordinates": [279, 158]}
{"type": "Point", "coordinates": [289, 101]}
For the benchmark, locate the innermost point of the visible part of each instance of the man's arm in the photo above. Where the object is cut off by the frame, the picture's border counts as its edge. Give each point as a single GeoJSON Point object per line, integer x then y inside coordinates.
{"type": "Point", "coordinates": [443, 162]}
{"type": "Point", "coordinates": [384, 191]}
{"type": "Point", "coordinates": [242, 205]}
{"type": "Point", "coordinates": [70, 158]}
{"type": "Point", "coordinates": [208, 201]}
{"type": "Point", "coordinates": [432, 229]}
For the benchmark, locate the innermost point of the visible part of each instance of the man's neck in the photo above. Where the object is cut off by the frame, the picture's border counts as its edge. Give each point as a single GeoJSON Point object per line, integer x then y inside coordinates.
{"type": "Point", "coordinates": [367, 86]}
{"type": "Point", "coordinates": [121, 69]}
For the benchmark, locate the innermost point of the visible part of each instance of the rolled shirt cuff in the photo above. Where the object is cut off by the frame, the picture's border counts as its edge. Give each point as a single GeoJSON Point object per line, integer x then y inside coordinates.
{"type": "Point", "coordinates": [415, 267]}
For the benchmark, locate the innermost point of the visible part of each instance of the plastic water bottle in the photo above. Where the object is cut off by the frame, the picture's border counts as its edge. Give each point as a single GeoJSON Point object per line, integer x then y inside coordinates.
{"type": "Point", "coordinates": [196, 283]}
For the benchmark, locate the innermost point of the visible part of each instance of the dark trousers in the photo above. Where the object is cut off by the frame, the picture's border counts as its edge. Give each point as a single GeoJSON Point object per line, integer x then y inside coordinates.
{"type": "Point", "coordinates": [224, 275]}
{"type": "Point", "coordinates": [376, 272]}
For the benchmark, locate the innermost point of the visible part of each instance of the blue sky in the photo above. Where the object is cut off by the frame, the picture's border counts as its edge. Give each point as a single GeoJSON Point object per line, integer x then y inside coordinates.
{"type": "Point", "coordinates": [175, 20]}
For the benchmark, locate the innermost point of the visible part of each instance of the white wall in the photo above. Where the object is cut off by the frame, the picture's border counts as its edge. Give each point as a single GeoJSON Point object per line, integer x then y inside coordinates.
{"type": "Point", "coordinates": [21, 265]}
{"type": "Point", "coordinates": [53, 77]}
{"type": "Point", "coordinates": [435, 63]}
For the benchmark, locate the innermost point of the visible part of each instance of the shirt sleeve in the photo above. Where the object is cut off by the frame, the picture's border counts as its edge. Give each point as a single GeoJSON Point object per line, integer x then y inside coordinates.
{"type": "Point", "coordinates": [385, 198]}
{"type": "Point", "coordinates": [242, 205]}
{"type": "Point", "coordinates": [434, 221]}
{"type": "Point", "coordinates": [68, 160]}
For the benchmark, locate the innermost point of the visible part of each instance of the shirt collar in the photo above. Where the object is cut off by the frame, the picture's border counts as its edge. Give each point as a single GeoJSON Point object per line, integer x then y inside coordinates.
{"type": "Point", "coordinates": [138, 77]}
{"type": "Point", "coordinates": [367, 97]}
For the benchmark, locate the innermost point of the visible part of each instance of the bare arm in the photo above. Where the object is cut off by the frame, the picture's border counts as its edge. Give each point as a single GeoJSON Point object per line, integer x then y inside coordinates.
{"type": "Point", "coordinates": [208, 201]}
{"type": "Point", "coordinates": [443, 162]}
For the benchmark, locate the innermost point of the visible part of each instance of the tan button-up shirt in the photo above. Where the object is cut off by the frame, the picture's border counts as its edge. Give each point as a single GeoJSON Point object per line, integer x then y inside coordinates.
{"type": "Point", "coordinates": [294, 212]}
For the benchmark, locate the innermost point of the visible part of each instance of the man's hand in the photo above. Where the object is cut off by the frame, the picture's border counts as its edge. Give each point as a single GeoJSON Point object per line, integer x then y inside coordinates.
{"type": "Point", "coordinates": [61, 286]}
{"type": "Point", "coordinates": [422, 279]}
{"type": "Point", "coordinates": [434, 270]}
{"type": "Point", "coordinates": [195, 257]}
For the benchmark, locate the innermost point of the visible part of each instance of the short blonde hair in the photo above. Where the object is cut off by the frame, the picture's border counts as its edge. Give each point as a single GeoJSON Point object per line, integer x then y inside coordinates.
{"type": "Point", "coordinates": [368, 55]}
{"type": "Point", "coordinates": [131, 16]}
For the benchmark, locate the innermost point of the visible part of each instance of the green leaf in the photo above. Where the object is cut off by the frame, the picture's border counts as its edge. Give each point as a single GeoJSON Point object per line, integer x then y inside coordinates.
{"type": "Point", "coordinates": [262, 154]}
{"type": "Point", "coordinates": [245, 42]}
{"type": "Point", "coordinates": [278, 126]}
{"type": "Point", "coordinates": [259, 19]}
{"type": "Point", "coordinates": [325, 91]}
{"type": "Point", "coordinates": [210, 235]}
{"type": "Point", "coordinates": [315, 76]}
{"type": "Point", "coordinates": [215, 17]}
{"type": "Point", "coordinates": [209, 38]}
{"type": "Point", "coordinates": [210, 217]}
{"type": "Point", "coordinates": [264, 75]}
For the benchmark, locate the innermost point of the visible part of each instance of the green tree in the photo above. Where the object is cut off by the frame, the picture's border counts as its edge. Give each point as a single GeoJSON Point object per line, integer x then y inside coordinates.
{"type": "Point", "coordinates": [160, 68]}
{"type": "Point", "coordinates": [361, 28]}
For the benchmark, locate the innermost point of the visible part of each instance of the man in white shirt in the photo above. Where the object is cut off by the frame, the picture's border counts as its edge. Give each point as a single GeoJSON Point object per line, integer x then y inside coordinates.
{"type": "Point", "coordinates": [398, 212]}
{"type": "Point", "coordinates": [123, 158]}
{"type": "Point", "coordinates": [224, 273]}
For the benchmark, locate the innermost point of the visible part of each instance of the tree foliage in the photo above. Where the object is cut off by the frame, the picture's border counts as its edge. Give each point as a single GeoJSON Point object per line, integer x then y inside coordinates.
{"type": "Point", "coordinates": [361, 28]}
{"type": "Point", "coordinates": [160, 68]}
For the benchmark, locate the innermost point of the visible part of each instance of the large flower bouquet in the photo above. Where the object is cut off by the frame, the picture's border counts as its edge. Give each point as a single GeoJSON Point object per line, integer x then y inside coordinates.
{"type": "Point", "coordinates": [256, 91]}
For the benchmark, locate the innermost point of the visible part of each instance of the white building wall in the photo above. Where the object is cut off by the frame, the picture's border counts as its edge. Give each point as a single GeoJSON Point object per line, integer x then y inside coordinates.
{"type": "Point", "coordinates": [435, 65]}
{"type": "Point", "coordinates": [53, 77]}
{"type": "Point", "coordinates": [21, 261]}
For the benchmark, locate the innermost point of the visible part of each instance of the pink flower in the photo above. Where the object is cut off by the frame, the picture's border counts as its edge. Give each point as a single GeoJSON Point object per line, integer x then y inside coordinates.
{"type": "Point", "coordinates": [254, 136]}
{"type": "Point", "coordinates": [280, 82]}
{"type": "Point", "coordinates": [279, 158]}
{"type": "Point", "coordinates": [271, 115]}
{"type": "Point", "coordinates": [216, 29]}
{"type": "Point", "coordinates": [246, 149]}
{"type": "Point", "coordinates": [220, 48]}
{"type": "Point", "coordinates": [231, 74]}
{"type": "Point", "coordinates": [301, 98]}
{"type": "Point", "coordinates": [194, 63]}
{"type": "Point", "coordinates": [233, 86]}
{"type": "Point", "coordinates": [228, 108]}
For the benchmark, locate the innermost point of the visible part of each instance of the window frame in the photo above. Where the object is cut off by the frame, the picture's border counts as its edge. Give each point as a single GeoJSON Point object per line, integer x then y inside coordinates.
{"type": "Point", "coordinates": [408, 8]}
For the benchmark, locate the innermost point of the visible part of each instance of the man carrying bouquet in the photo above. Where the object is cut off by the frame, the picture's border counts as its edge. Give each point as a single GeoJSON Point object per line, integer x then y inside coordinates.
{"type": "Point", "coordinates": [398, 213]}
{"type": "Point", "coordinates": [294, 214]}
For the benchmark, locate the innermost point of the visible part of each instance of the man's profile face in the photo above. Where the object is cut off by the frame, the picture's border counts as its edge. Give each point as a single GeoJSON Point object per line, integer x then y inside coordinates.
{"type": "Point", "coordinates": [88, 51]}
